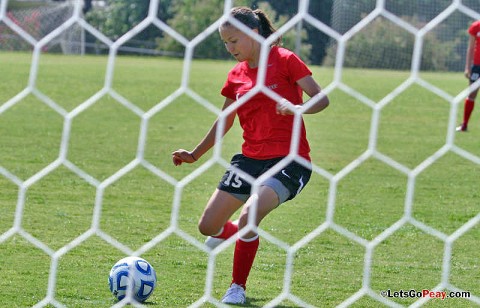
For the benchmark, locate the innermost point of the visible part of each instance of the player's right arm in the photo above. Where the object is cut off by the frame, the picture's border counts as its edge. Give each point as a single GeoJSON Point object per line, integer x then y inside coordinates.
{"type": "Point", "coordinates": [183, 156]}
{"type": "Point", "coordinates": [469, 56]}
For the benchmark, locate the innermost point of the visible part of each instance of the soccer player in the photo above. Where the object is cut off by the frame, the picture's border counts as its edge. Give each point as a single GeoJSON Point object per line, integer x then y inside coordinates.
{"type": "Point", "coordinates": [472, 71]}
{"type": "Point", "coordinates": [267, 131]}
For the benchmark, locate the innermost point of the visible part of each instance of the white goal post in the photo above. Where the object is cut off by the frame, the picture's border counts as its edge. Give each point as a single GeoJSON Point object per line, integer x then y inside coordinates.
{"type": "Point", "coordinates": [38, 21]}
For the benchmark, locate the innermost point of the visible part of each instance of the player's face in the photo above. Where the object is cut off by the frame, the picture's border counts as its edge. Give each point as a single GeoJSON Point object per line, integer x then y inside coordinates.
{"type": "Point", "coordinates": [238, 44]}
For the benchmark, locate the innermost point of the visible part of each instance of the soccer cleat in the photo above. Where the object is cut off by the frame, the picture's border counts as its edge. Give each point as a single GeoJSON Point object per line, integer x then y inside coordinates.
{"type": "Point", "coordinates": [462, 128]}
{"type": "Point", "coordinates": [234, 295]}
{"type": "Point", "coordinates": [213, 242]}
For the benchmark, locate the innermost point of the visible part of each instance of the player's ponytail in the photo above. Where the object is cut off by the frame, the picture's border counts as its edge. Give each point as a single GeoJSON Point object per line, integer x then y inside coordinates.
{"type": "Point", "coordinates": [265, 27]}
{"type": "Point", "coordinates": [255, 20]}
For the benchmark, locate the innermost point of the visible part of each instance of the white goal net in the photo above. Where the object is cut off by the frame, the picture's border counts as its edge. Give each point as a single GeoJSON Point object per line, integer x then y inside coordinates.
{"type": "Point", "coordinates": [63, 25]}
{"type": "Point", "coordinates": [37, 22]}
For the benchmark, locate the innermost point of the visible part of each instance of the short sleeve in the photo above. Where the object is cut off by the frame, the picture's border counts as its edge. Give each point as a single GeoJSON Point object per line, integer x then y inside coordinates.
{"type": "Point", "coordinates": [228, 89]}
{"type": "Point", "coordinates": [297, 68]}
{"type": "Point", "coordinates": [474, 28]}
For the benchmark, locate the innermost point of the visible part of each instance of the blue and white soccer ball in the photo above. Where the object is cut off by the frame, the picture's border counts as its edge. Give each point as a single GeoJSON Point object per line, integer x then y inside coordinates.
{"type": "Point", "coordinates": [143, 282]}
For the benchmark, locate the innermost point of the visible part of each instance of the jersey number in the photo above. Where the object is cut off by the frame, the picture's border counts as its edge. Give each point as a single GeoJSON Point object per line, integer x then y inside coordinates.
{"type": "Point", "coordinates": [236, 180]}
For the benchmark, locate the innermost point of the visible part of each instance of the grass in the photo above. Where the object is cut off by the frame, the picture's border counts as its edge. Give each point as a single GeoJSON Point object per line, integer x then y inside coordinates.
{"type": "Point", "coordinates": [137, 207]}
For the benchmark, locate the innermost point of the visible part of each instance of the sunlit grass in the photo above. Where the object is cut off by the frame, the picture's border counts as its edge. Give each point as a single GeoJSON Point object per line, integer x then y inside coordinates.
{"type": "Point", "coordinates": [138, 206]}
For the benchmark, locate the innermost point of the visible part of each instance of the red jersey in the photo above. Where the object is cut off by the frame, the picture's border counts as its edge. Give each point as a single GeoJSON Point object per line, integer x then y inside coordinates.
{"type": "Point", "coordinates": [267, 134]}
{"type": "Point", "coordinates": [474, 30]}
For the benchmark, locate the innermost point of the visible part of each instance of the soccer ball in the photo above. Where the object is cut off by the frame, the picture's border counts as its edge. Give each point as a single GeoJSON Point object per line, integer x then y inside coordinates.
{"type": "Point", "coordinates": [143, 279]}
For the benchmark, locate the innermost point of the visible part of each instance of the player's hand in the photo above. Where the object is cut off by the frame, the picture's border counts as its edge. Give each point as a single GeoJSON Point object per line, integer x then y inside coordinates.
{"type": "Point", "coordinates": [283, 107]}
{"type": "Point", "coordinates": [467, 74]}
{"type": "Point", "coordinates": [182, 156]}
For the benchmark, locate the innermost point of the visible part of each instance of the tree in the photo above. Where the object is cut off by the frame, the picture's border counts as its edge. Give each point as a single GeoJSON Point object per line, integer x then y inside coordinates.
{"type": "Point", "coordinates": [118, 16]}
{"type": "Point", "coordinates": [314, 42]}
{"type": "Point", "coordinates": [321, 10]}
{"type": "Point", "coordinates": [384, 45]}
{"type": "Point", "coordinates": [189, 18]}
{"type": "Point", "coordinates": [87, 6]}
{"type": "Point", "coordinates": [290, 37]}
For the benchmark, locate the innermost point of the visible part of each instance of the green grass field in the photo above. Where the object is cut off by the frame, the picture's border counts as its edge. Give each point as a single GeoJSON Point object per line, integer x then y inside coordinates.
{"type": "Point", "coordinates": [137, 207]}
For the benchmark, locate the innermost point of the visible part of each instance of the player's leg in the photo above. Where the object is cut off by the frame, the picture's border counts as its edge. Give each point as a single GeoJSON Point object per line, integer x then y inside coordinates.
{"type": "Point", "coordinates": [469, 101]}
{"type": "Point", "coordinates": [246, 246]}
{"type": "Point", "coordinates": [283, 186]}
{"type": "Point", "coordinates": [214, 220]}
{"type": "Point", "coordinates": [467, 111]}
{"type": "Point", "coordinates": [231, 194]}
{"type": "Point", "coordinates": [268, 200]}
{"type": "Point", "coordinates": [469, 105]}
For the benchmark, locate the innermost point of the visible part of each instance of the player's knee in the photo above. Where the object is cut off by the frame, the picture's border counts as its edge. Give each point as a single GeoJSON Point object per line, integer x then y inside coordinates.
{"type": "Point", "coordinates": [208, 229]}
{"type": "Point", "coordinates": [242, 219]}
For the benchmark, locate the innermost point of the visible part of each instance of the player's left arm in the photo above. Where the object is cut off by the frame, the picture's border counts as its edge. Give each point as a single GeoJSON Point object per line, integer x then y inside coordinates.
{"type": "Point", "coordinates": [312, 89]}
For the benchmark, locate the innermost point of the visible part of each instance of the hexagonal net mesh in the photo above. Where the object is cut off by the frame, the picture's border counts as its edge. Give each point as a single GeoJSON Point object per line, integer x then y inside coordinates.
{"type": "Point", "coordinates": [39, 21]}
{"type": "Point", "coordinates": [341, 35]}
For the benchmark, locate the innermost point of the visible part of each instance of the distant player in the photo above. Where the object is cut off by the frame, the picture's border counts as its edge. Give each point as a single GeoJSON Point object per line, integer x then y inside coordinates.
{"type": "Point", "coordinates": [267, 132]}
{"type": "Point", "coordinates": [472, 71]}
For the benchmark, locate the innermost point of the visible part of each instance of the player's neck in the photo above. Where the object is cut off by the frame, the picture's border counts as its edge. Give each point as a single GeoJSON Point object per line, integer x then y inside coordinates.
{"type": "Point", "coordinates": [253, 63]}
{"type": "Point", "coordinates": [255, 59]}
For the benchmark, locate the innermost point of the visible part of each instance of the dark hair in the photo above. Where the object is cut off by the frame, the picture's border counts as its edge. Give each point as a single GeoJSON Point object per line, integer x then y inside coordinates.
{"type": "Point", "coordinates": [255, 19]}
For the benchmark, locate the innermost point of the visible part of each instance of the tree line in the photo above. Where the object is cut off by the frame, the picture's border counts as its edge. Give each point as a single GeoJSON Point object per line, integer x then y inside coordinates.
{"type": "Point", "coordinates": [190, 17]}
{"type": "Point", "coordinates": [381, 44]}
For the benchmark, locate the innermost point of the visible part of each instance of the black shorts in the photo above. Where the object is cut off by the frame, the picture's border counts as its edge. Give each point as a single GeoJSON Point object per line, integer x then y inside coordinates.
{"type": "Point", "coordinates": [287, 183]}
{"type": "Point", "coordinates": [475, 73]}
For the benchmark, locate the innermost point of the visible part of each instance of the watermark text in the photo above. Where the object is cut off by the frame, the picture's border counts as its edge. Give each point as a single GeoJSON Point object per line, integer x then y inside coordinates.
{"type": "Point", "coordinates": [412, 293]}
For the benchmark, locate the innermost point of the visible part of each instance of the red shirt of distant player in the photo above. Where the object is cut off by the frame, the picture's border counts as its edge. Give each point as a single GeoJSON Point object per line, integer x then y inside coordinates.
{"type": "Point", "coordinates": [474, 30]}
{"type": "Point", "coordinates": [267, 134]}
